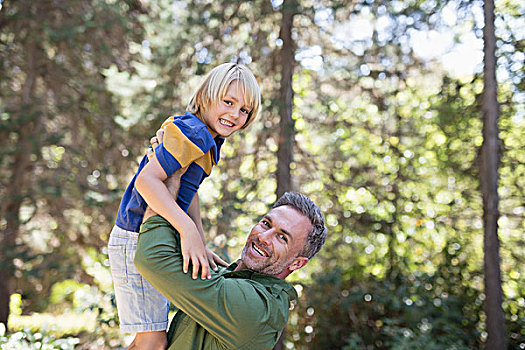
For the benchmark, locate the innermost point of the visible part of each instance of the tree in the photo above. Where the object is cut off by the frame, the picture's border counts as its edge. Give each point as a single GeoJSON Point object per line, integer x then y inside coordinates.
{"type": "Point", "coordinates": [59, 139]}
{"type": "Point", "coordinates": [489, 165]}
{"type": "Point", "coordinates": [286, 125]}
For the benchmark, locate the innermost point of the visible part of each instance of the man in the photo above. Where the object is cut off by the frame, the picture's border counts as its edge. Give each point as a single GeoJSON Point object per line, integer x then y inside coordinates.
{"type": "Point", "coordinates": [243, 306]}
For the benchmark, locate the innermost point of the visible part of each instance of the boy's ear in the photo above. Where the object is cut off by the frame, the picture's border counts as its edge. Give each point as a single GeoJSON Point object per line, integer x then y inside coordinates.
{"type": "Point", "coordinates": [297, 263]}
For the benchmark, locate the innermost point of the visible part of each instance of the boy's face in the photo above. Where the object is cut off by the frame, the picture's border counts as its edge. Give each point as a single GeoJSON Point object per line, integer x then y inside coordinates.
{"type": "Point", "coordinates": [227, 115]}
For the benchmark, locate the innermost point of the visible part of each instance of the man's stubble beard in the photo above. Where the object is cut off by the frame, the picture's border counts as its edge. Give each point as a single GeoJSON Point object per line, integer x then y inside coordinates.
{"type": "Point", "coordinates": [270, 268]}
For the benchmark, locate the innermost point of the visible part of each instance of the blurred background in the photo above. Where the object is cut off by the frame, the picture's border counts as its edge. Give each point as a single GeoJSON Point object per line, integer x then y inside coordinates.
{"type": "Point", "coordinates": [372, 108]}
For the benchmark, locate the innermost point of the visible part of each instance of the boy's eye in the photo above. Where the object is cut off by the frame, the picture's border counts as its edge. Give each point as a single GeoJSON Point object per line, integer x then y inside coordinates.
{"type": "Point", "coordinates": [245, 111]}
{"type": "Point", "coordinates": [229, 103]}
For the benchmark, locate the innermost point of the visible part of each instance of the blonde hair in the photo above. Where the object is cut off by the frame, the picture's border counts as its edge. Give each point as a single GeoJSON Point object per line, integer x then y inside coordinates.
{"type": "Point", "coordinates": [216, 84]}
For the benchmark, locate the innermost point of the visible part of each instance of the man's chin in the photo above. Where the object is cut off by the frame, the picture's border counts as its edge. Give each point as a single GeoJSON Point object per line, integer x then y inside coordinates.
{"type": "Point", "coordinates": [250, 264]}
{"type": "Point", "coordinates": [267, 270]}
{"type": "Point", "coordinates": [253, 265]}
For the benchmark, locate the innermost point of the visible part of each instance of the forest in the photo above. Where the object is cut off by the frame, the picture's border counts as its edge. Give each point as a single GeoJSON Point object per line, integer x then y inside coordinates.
{"type": "Point", "coordinates": [403, 120]}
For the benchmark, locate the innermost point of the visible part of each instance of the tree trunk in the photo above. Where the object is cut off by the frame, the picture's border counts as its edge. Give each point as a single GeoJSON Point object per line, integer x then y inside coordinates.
{"type": "Point", "coordinates": [17, 189]}
{"type": "Point", "coordinates": [489, 187]}
{"type": "Point", "coordinates": [286, 123]}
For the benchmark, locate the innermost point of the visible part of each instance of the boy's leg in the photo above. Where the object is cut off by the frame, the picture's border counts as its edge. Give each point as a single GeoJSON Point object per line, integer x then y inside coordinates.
{"type": "Point", "coordinates": [149, 341]}
{"type": "Point", "coordinates": [141, 308]}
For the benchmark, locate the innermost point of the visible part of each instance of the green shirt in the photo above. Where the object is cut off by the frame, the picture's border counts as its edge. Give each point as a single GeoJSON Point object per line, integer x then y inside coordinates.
{"type": "Point", "coordinates": [233, 310]}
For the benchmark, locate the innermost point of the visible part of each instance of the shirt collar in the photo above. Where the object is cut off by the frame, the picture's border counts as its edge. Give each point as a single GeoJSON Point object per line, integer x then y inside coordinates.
{"type": "Point", "coordinates": [274, 283]}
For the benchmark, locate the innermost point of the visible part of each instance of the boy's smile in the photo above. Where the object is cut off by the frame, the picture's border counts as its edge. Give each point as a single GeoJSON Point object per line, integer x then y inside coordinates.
{"type": "Point", "coordinates": [228, 115]}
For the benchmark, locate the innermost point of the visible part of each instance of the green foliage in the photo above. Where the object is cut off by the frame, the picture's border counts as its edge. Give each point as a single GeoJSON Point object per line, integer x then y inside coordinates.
{"type": "Point", "coordinates": [415, 311]}
{"type": "Point", "coordinates": [55, 324]}
{"type": "Point", "coordinates": [62, 152]}
{"type": "Point", "coordinates": [64, 291]}
{"type": "Point", "coordinates": [78, 310]}
{"type": "Point", "coordinates": [27, 340]}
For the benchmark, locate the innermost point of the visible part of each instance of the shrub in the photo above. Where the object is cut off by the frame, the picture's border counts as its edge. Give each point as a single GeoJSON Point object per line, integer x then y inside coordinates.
{"type": "Point", "coordinates": [27, 340]}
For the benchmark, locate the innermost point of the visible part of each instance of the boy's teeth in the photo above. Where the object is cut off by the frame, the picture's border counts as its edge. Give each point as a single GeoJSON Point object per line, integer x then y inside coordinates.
{"type": "Point", "coordinates": [225, 122]}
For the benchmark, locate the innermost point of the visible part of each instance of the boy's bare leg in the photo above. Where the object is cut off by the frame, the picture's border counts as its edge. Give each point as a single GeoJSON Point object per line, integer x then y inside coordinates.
{"type": "Point", "coordinates": [149, 341]}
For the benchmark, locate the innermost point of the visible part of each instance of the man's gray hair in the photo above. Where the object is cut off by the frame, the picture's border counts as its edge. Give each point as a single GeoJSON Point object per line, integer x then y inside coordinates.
{"type": "Point", "coordinates": [308, 208]}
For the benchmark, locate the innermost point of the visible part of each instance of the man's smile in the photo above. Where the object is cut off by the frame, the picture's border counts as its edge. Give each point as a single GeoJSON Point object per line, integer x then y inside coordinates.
{"type": "Point", "coordinates": [259, 251]}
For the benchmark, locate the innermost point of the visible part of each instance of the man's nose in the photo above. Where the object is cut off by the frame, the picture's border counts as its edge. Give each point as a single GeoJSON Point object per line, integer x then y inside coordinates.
{"type": "Point", "coordinates": [266, 236]}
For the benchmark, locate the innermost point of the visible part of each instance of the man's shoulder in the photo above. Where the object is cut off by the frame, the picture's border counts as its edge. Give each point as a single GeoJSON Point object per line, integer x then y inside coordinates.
{"type": "Point", "coordinates": [263, 309]}
{"type": "Point", "coordinates": [270, 284]}
{"type": "Point", "coordinates": [262, 297]}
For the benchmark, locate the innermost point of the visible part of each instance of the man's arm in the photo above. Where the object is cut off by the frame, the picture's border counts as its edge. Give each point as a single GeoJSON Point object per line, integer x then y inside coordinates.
{"type": "Point", "coordinates": [231, 309]}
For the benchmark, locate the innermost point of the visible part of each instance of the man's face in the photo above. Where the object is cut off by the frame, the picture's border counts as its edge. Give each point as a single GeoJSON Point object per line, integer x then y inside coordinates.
{"type": "Point", "coordinates": [274, 242]}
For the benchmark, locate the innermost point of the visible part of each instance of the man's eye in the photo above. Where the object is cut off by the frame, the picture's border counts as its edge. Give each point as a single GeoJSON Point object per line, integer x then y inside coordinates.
{"type": "Point", "coordinates": [265, 223]}
{"type": "Point", "coordinates": [283, 237]}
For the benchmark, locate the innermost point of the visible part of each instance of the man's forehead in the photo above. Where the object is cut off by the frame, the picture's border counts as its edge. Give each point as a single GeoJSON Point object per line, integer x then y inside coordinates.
{"type": "Point", "coordinates": [290, 219]}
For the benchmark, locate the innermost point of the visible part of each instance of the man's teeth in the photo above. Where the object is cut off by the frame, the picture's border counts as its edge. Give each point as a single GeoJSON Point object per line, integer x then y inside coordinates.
{"type": "Point", "coordinates": [225, 122]}
{"type": "Point", "coordinates": [260, 252]}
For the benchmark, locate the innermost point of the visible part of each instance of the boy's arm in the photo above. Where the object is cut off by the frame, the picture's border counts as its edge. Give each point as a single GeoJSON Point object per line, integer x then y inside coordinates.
{"type": "Point", "coordinates": [150, 185]}
{"type": "Point", "coordinates": [173, 185]}
{"type": "Point", "coordinates": [172, 182]}
{"type": "Point", "coordinates": [194, 211]}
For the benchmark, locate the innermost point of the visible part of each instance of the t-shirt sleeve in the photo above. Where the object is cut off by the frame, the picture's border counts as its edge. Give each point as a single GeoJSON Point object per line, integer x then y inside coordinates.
{"type": "Point", "coordinates": [182, 144]}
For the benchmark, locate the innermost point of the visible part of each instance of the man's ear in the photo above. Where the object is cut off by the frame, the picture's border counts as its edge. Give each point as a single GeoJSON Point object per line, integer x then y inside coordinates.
{"type": "Point", "coordinates": [297, 263]}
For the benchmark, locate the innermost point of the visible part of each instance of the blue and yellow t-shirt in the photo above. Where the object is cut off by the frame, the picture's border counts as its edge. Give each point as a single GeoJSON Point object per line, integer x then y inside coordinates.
{"type": "Point", "coordinates": [187, 141]}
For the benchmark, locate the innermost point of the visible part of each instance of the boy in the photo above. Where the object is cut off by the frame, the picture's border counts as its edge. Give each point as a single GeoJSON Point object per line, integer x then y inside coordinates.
{"type": "Point", "coordinates": [228, 100]}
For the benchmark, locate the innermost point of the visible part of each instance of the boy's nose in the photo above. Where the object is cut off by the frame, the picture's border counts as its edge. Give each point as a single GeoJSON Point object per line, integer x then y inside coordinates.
{"type": "Point", "coordinates": [235, 113]}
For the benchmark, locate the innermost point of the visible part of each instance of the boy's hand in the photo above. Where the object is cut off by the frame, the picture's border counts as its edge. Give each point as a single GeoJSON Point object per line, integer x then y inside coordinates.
{"type": "Point", "coordinates": [154, 142]}
{"type": "Point", "coordinates": [214, 259]}
{"type": "Point", "coordinates": [193, 249]}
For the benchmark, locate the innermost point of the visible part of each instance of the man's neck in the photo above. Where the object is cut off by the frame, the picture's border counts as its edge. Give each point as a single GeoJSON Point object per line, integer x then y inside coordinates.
{"type": "Point", "coordinates": [241, 266]}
